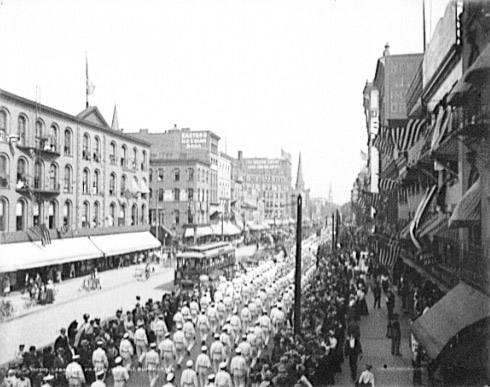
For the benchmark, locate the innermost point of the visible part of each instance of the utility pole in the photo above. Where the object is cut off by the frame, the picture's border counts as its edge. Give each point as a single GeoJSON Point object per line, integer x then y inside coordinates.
{"type": "Point", "coordinates": [333, 231]}
{"type": "Point", "coordinates": [297, 279]}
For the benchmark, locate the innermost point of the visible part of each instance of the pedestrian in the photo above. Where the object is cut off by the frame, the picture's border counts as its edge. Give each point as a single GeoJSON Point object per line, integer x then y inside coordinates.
{"type": "Point", "coordinates": [238, 369]}
{"type": "Point", "coordinates": [189, 376]}
{"type": "Point", "coordinates": [223, 378]}
{"type": "Point", "coordinates": [141, 342]}
{"type": "Point", "coordinates": [367, 377]}
{"type": "Point", "coordinates": [179, 341]}
{"type": "Point", "coordinates": [216, 351]}
{"type": "Point", "coordinates": [353, 351]}
{"type": "Point", "coordinates": [100, 361]}
{"type": "Point", "coordinates": [99, 379]}
{"type": "Point", "coordinates": [377, 295]}
{"type": "Point", "coordinates": [74, 373]}
{"type": "Point", "coordinates": [151, 363]}
{"type": "Point", "coordinates": [119, 373]}
{"type": "Point", "coordinates": [395, 336]}
{"type": "Point", "coordinates": [203, 366]}
{"type": "Point", "coordinates": [167, 353]}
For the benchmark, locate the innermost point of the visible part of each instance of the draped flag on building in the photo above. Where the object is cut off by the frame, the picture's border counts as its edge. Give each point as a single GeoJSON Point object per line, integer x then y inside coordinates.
{"type": "Point", "coordinates": [401, 166]}
{"type": "Point", "coordinates": [45, 237]}
{"type": "Point", "coordinates": [90, 86]}
{"type": "Point", "coordinates": [383, 144]}
{"type": "Point", "coordinates": [388, 254]}
{"type": "Point", "coordinates": [405, 133]}
{"type": "Point", "coordinates": [371, 199]}
{"type": "Point", "coordinates": [387, 184]}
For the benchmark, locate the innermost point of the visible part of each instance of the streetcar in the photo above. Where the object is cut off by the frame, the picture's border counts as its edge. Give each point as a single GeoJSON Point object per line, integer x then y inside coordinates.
{"type": "Point", "coordinates": [203, 263]}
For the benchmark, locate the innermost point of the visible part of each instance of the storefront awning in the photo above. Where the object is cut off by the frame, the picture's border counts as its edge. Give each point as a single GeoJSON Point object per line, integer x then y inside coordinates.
{"type": "Point", "coordinates": [29, 255]}
{"type": "Point", "coordinates": [253, 226]}
{"type": "Point", "coordinates": [459, 308]}
{"type": "Point", "coordinates": [467, 212]}
{"type": "Point", "coordinates": [443, 125]}
{"type": "Point", "coordinates": [201, 231]}
{"type": "Point", "coordinates": [419, 213]}
{"type": "Point", "coordinates": [135, 188]}
{"type": "Point", "coordinates": [228, 229]}
{"type": "Point", "coordinates": [116, 244]}
{"type": "Point", "coordinates": [249, 205]}
{"type": "Point", "coordinates": [433, 225]}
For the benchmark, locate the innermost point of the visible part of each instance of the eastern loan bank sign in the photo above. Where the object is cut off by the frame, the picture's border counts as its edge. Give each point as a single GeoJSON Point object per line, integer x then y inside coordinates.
{"type": "Point", "coordinates": [194, 140]}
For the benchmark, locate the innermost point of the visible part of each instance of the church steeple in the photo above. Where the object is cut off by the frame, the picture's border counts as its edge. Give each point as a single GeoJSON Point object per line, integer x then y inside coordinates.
{"type": "Point", "coordinates": [300, 184]}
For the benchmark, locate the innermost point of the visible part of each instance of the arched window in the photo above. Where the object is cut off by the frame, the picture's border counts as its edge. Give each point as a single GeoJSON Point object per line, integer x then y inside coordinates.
{"type": "Point", "coordinates": [53, 138]}
{"type": "Point", "coordinates": [3, 125]}
{"type": "Point", "coordinates": [122, 215]}
{"type": "Point", "coordinates": [85, 181]}
{"type": "Point", "coordinates": [52, 215]}
{"type": "Point", "coordinates": [67, 209]}
{"type": "Point", "coordinates": [112, 153]}
{"type": "Point", "coordinates": [123, 184]}
{"type": "Point", "coordinates": [68, 146]}
{"type": "Point", "coordinates": [97, 149]}
{"type": "Point", "coordinates": [86, 147]}
{"type": "Point", "coordinates": [38, 175]}
{"type": "Point", "coordinates": [123, 156]}
{"type": "Point", "coordinates": [85, 215]}
{"type": "Point", "coordinates": [38, 133]}
{"type": "Point", "coordinates": [3, 214]}
{"type": "Point", "coordinates": [22, 130]}
{"type": "Point", "coordinates": [151, 175]}
{"type": "Point", "coordinates": [144, 161]}
{"type": "Point", "coordinates": [21, 173]}
{"type": "Point", "coordinates": [67, 180]}
{"type": "Point", "coordinates": [112, 214]}
{"type": "Point", "coordinates": [144, 214]}
{"type": "Point", "coordinates": [134, 215]}
{"type": "Point", "coordinates": [112, 184]}
{"type": "Point", "coordinates": [20, 215]}
{"type": "Point", "coordinates": [4, 171]}
{"type": "Point", "coordinates": [135, 158]}
{"type": "Point", "coordinates": [37, 213]}
{"type": "Point", "coordinates": [96, 183]}
{"type": "Point", "coordinates": [96, 215]}
{"type": "Point", "coordinates": [53, 177]}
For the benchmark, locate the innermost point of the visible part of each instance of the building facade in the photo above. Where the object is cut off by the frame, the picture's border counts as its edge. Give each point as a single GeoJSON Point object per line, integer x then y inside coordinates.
{"type": "Point", "coordinates": [224, 184]}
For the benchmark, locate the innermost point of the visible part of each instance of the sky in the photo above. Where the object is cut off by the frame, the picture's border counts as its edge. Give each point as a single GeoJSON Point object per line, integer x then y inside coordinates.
{"type": "Point", "coordinates": [264, 75]}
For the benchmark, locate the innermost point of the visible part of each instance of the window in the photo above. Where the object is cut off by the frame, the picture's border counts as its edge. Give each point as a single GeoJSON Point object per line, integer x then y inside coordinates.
{"type": "Point", "coordinates": [97, 149]}
{"type": "Point", "coordinates": [95, 215]}
{"type": "Point", "coordinates": [22, 130]}
{"type": "Point", "coordinates": [52, 211]}
{"type": "Point", "coordinates": [85, 181]}
{"type": "Point", "coordinates": [53, 139]}
{"type": "Point", "coordinates": [199, 194]}
{"type": "Point", "coordinates": [67, 147]}
{"type": "Point", "coordinates": [96, 183]}
{"type": "Point", "coordinates": [190, 194]}
{"type": "Point", "coordinates": [67, 214]}
{"type": "Point", "coordinates": [21, 173]}
{"type": "Point", "coordinates": [134, 215]}
{"type": "Point", "coordinates": [151, 193]}
{"type": "Point", "coordinates": [39, 133]}
{"type": "Point", "coordinates": [123, 184]}
{"type": "Point", "coordinates": [53, 178]}
{"type": "Point", "coordinates": [198, 175]}
{"type": "Point", "coordinates": [4, 172]}
{"type": "Point", "coordinates": [112, 184]}
{"type": "Point", "coordinates": [135, 158]}
{"type": "Point", "coordinates": [112, 153]}
{"type": "Point", "coordinates": [143, 162]}
{"type": "Point", "coordinates": [151, 175]}
{"type": "Point", "coordinates": [176, 174]}
{"type": "Point", "coordinates": [143, 215]}
{"type": "Point", "coordinates": [207, 176]}
{"type": "Point", "coordinates": [38, 175]}
{"type": "Point", "coordinates": [20, 215]}
{"type": "Point", "coordinates": [160, 174]}
{"type": "Point", "coordinates": [123, 156]}
{"type": "Point", "coordinates": [190, 176]}
{"type": "Point", "coordinates": [122, 215]}
{"type": "Point", "coordinates": [3, 214]}
{"type": "Point", "coordinates": [176, 216]}
{"type": "Point", "coordinates": [3, 125]}
{"type": "Point", "coordinates": [85, 215]}
{"type": "Point", "coordinates": [176, 194]}
{"type": "Point", "coordinates": [112, 214]}
{"type": "Point", "coordinates": [160, 194]}
{"type": "Point", "coordinates": [67, 188]}
{"type": "Point", "coordinates": [37, 213]}
{"type": "Point", "coordinates": [86, 147]}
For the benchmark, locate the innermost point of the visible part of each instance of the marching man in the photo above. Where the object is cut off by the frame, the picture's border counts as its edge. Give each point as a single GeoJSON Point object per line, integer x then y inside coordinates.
{"type": "Point", "coordinates": [189, 376]}
{"type": "Point", "coordinates": [213, 317]}
{"type": "Point", "coordinates": [127, 351]}
{"type": "Point", "coordinates": [74, 373]}
{"type": "Point", "coordinates": [189, 335]}
{"type": "Point", "coordinates": [194, 308]}
{"type": "Point", "coordinates": [99, 360]}
{"type": "Point", "coordinates": [246, 318]}
{"type": "Point", "coordinates": [238, 369]}
{"type": "Point", "coordinates": [266, 325]}
{"type": "Point", "coordinates": [223, 378]}
{"type": "Point", "coordinates": [203, 325]}
{"type": "Point", "coordinates": [246, 350]}
{"type": "Point", "coordinates": [216, 352]}
{"type": "Point", "coordinates": [167, 353]}
{"type": "Point", "coordinates": [179, 341]}
{"type": "Point", "coordinates": [152, 361]}
{"type": "Point", "coordinates": [236, 326]}
{"type": "Point", "coordinates": [141, 342]}
{"type": "Point", "coordinates": [160, 329]}
{"type": "Point", "coordinates": [119, 373]}
{"type": "Point", "coordinates": [203, 366]}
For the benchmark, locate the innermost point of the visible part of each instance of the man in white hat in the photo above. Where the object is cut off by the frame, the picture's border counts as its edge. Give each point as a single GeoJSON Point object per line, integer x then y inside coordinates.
{"type": "Point", "coordinates": [99, 379]}
{"type": "Point", "coordinates": [119, 373]}
{"type": "Point", "coordinates": [246, 350]}
{"type": "Point", "coordinates": [141, 342]}
{"type": "Point", "coordinates": [170, 380]}
{"type": "Point", "coordinates": [203, 325]}
{"type": "Point", "coordinates": [227, 347]}
{"type": "Point", "coordinates": [266, 325]}
{"type": "Point", "coordinates": [221, 308]}
{"type": "Point", "coordinates": [127, 351]}
{"type": "Point", "coordinates": [203, 366]}
{"type": "Point", "coordinates": [238, 369]}
{"type": "Point", "coordinates": [194, 308]}
{"type": "Point", "coordinates": [252, 340]}
{"type": "Point", "coordinates": [179, 341]}
{"type": "Point", "coordinates": [245, 317]}
{"type": "Point", "coordinates": [160, 329]}
{"type": "Point", "coordinates": [48, 381]}
{"type": "Point", "coordinates": [204, 302]}
{"type": "Point", "coordinates": [186, 312]}
{"type": "Point", "coordinates": [212, 314]}
{"type": "Point", "coordinates": [167, 353]}
{"type": "Point", "coordinates": [236, 326]}
{"type": "Point", "coordinates": [99, 359]}
{"type": "Point", "coordinates": [189, 376]}
{"type": "Point", "coordinates": [223, 378]}
{"type": "Point", "coordinates": [74, 373]}
{"type": "Point", "coordinates": [279, 318]}
{"type": "Point", "coordinates": [259, 338]}
{"type": "Point", "coordinates": [151, 363]}
{"type": "Point", "coordinates": [178, 318]}
{"type": "Point", "coordinates": [216, 352]}
{"type": "Point", "coordinates": [252, 307]}
{"type": "Point", "coordinates": [228, 301]}
{"type": "Point", "coordinates": [189, 335]}
{"type": "Point", "coordinates": [211, 379]}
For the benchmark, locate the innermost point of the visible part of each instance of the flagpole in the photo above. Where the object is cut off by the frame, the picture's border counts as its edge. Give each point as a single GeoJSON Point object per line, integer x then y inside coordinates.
{"type": "Point", "coordinates": [86, 80]}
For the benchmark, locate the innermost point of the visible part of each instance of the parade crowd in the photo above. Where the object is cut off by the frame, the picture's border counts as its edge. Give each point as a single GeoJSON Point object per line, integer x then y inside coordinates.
{"type": "Point", "coordinates": [242, 330]}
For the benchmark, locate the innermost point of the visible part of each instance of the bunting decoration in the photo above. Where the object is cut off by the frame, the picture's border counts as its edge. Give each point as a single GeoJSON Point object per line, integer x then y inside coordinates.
{"type": "Point", "coordinates": [383, 144]}
{"type": "Point", "coordinates": [388, 254]}
{"type": "Point", "coordinates": [387, 184]}
{"type": "Point", "coordinates": [45, 237]}
{"type": "Point", "coordinates": [370, 199]}
{"type": "Point", "coordinates": [407, 133]}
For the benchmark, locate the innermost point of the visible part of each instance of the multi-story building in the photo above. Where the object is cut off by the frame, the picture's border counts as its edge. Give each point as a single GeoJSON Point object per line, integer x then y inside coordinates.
{"type": "Point", "coordinates": [268, 181]}
{"type": "Point", "coordinates": [69, 177]}
{"type": "Point", "coordinates": [183, 178]}
{"type": "Point", "coordinates": [224, 183]}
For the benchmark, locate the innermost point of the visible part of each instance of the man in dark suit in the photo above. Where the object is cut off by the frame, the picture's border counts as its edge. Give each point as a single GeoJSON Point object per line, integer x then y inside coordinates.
{"type": "Point", "coordinates": [352, 350]}
{"type": "Point", "coordinates": [62, 342]}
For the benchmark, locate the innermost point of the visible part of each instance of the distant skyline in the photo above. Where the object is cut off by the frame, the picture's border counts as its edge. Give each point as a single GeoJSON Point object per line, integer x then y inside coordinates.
{"type": "Point", "coordinates": [263, 75]}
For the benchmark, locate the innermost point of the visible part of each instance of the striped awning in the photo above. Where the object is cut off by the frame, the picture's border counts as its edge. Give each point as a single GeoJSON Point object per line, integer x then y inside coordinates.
{"type": "Point", "coordinates": [443, 125]}
{"type": "Point", "coordinates": [467, 211]}
{"type": "Point", "coordinates": [433, 225]}
{"type": "Point", "coordinates": [383, 144]}
{"type": "Point", "coordinates": [387, 184]}
{"type": "Point", "coordinates": [389, 254]}
{"type": "Point", "coordinates": [407, 134]}
{"type": "Point", "coordinates": [421, 209]}
{"type": "Point", "coordinates": [401, 166]}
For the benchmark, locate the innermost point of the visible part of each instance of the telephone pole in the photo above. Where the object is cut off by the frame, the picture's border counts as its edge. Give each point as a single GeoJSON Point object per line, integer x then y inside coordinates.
{"type": "Point", "coordinates": [297, 279]}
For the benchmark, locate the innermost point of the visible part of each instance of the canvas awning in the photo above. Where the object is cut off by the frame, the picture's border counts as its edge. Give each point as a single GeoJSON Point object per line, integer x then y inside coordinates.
{"type": "Point", "coordinates": [461, 307]}
{"type": "Point", "coordinates": [135, 188]}
{"type": "Point", "coordinates": [253, 226]}
{"type": "Point", "coordinates": [144, 188]}
{"type": "Point", "coordinates": [433, 225]}
{"type": "Point", "coordinates": [117, 244]}
{"type": "Point", "coordinates": [442, 126]}
{"type": "Point", "coordinates": [467, 211]}
{"type": "Point", "coordinates": [249, 205]}
{"type": "Point", "coordinates": [201, 231]}
{"type": "Point", "coordinates": [29, 255]}
{"type": "Point", "coordinates": [419, 213]}
{"type": "Point", "coordinates": [228, 229]}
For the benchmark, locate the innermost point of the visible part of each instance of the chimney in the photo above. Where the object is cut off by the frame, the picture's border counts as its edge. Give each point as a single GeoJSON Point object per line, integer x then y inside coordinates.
{"type": "Point", "coordinates": [240, 155]}
{"type": "Point", "coordinates": [386, 52]}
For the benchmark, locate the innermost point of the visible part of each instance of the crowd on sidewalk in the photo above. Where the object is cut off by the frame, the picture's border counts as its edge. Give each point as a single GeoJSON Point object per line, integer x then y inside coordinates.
{"type": "Point", "coordinates": [235, 326]}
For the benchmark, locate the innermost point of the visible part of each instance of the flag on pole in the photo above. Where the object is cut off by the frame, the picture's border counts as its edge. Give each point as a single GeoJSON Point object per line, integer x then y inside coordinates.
{"type": "Point", "coordinates": [285, 155]}
{"type": "Point", "coordinates": [90, 86]}
{"type": "Point", "coordinates": [363, 156]}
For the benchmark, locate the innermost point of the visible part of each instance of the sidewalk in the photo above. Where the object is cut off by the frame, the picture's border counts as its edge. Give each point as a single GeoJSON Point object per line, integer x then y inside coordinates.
{"type": "Point", "coordinates": [389, 370]}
